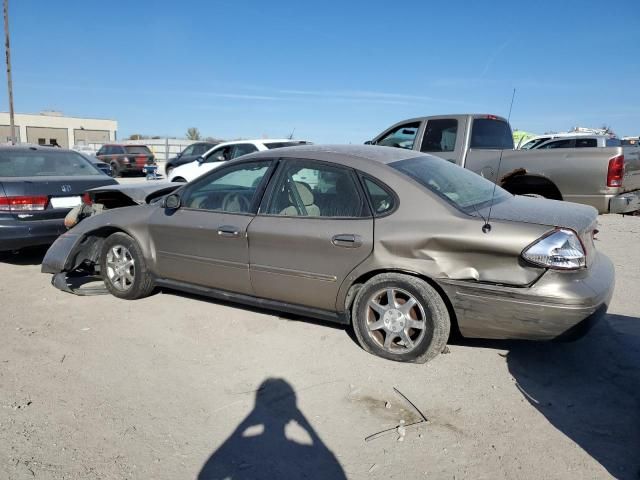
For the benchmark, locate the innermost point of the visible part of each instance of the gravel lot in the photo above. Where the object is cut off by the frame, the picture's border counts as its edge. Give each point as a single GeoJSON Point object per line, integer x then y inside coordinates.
{"type": "Point", "coordinates": [176, 386]}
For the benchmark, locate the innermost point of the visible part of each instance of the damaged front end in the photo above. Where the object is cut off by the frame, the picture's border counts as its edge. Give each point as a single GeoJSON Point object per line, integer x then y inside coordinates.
{"type": "Point", "coordinates": [74, 258]}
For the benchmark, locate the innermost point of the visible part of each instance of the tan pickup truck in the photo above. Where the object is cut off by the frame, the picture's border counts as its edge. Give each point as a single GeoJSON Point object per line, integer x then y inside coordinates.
{"type": "Point", "coordinates": [607, 178]}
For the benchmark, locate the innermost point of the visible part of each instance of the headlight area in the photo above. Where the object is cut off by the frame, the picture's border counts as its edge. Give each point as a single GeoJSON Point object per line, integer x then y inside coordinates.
{"type": "Point", "coordinates": [560, 249]}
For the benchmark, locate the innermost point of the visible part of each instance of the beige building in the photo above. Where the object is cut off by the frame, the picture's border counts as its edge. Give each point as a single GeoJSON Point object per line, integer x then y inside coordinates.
{"type": "Point", "coordinates": [54, 128]}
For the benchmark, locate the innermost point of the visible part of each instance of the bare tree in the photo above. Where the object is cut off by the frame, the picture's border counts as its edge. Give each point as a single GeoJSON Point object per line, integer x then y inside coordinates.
{"type": "Point", "coordinates": [193, 134]}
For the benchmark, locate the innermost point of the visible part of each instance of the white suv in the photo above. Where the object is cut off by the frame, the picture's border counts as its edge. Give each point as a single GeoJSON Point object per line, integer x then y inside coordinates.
{"type": "Point", "coordinates": [224, 152]}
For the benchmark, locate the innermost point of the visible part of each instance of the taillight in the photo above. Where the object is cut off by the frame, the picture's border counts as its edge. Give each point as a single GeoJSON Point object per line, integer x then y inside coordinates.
{"type": "Point", "coordinates": [615, 171]}
{"type": "Point", "coordinates": [86, 198]}
{"type": "Point", "coordinates": [23, 203]}
{"type": "Point", "coordinates": [560, 249]}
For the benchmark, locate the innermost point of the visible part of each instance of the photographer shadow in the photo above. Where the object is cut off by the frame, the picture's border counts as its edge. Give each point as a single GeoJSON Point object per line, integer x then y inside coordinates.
{"type": "Point", "coordinates": [259, 448]}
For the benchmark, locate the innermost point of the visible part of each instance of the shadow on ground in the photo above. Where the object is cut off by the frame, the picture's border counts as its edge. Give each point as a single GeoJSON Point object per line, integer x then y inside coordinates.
{"type": "Point", "coordinates": [26, 256]}
{"type": "Point", "coordinates": [260, 449]}
{"type": "Point", "coordinates": [588, 389]}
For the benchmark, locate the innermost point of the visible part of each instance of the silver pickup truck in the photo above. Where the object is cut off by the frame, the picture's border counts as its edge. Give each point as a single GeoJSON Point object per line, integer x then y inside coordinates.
{"type": "Point", "coordinates": [607, 178]}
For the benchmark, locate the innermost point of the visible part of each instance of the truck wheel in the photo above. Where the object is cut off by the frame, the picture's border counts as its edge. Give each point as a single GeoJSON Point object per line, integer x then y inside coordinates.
{"type": "Point", "coordinates": [124, 269]}
{"type": "Point", "coordinates": [401, 318]}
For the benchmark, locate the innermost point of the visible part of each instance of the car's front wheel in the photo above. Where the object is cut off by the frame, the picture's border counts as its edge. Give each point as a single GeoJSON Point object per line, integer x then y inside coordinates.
{"type": "Point", "coordinates": [401, 318]}
{"type": "Point", "coordinates": [124, 269]}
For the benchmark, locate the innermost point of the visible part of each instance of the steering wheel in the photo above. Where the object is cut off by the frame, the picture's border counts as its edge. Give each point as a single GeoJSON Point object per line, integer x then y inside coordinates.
{"type": "Point", "coordinates": [235, 202]}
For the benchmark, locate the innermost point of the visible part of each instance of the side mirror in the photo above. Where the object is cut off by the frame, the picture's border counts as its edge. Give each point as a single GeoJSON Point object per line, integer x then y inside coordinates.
{"type": "Point", "coordinates": [172, 201]}
{"type": "Point", "coordinates": [368, 142]}
{"type": "Point", "coordinates": [179, 155]}
{"type": "Point", "coordinates": [200, 159]}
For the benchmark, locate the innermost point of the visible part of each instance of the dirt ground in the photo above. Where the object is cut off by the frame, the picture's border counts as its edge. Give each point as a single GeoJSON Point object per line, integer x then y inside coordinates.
{"type": "Point", "coordinates": [175, 386]}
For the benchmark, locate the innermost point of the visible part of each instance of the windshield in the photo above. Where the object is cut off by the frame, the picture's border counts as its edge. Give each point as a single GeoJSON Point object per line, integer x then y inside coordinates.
{"type": "Point", "coordinates": [458, 186]}
{"type": "Point", "coordinates": [40, 163]}
{"type": "Point", "coordinates": [138, 149]}
{"type": "Point", "coordinates": [533, 143]}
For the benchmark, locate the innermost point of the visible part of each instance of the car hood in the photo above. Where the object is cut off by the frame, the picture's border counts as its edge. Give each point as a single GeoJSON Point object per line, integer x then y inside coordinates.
{"type": "Point", "coordinates": [139, 193]}
{"type": "Point", "coordinates": [542, 211]}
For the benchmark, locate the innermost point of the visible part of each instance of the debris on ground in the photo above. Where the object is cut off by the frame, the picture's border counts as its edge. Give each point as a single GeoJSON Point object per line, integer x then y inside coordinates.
{"type": "Point", "coordinates": [401, 428]}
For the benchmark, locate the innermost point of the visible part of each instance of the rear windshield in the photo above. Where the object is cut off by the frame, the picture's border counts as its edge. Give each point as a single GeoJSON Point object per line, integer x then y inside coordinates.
{"type": "Point", "coordinates": [138, 149]}
{"type": "Point", "coordinates": [491, 134]}
{"type": "Point", "coordinates": [40, 163]}
{"type": "Point", "coordinates": [462, 188]}
{"type": "Point", "coordinates": [273, 145]}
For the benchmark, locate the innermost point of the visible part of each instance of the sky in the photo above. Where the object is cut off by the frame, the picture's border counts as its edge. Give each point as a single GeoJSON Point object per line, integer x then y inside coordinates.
{"type": "Point", "coordinates": [333, 71]}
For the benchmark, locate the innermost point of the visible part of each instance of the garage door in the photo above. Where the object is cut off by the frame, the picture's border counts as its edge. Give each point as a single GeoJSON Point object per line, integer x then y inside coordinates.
{"type": "Point", "coordinates": [48, 136]}
{"type": "Point", "coordinates": [85, 137]}
{"type": "Point", "coordinates": [5, 133]}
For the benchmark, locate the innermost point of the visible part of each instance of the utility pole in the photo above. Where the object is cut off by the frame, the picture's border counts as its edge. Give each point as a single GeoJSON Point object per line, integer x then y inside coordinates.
{"type": "Point", "coordinates": [9, 82]}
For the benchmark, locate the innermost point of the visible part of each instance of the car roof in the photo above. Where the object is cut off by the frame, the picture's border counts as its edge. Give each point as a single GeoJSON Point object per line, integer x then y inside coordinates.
{"type": "Point", "coordinates": [340, 154]}
{"type": "Point", "coordinates": [29, 146]}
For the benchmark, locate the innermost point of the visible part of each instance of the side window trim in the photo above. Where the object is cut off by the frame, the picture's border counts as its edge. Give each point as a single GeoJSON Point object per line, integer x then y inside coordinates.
{"type": "Point", "coordinates": [283, 163]}
{"type": "Point", "coordinates": [220, 171]}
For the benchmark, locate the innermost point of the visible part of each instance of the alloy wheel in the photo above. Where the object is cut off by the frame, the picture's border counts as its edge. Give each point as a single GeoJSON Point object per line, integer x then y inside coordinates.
{"type": "Point", "coordinates": [396, 320]}
{"type": "Point", "coordinates": [121, 268]}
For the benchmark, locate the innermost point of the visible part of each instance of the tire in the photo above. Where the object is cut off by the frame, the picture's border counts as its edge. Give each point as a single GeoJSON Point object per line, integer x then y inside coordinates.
{"type": "Point", "coordinates": [133, 280]}
{"type": "Point", "coordinates": [179, 180]}
{"type": "Point", "coordinates": [430, 311]}
{"type": "Point", "coordinates": [168, 171]}
{"type": "Point", "coordinates": [115, 170]}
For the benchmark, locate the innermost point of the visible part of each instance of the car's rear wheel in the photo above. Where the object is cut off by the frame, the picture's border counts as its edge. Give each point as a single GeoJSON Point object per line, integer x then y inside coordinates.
{"type": "Point", "coordinates": [124, 269]}
{"type": "Point", "coordinates": [401, 318]}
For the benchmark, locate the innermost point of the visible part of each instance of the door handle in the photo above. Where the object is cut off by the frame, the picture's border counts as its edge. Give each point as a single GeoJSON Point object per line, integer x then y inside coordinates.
{"type": "Point", "coordinates": [348, 240]}
{"type": "Point", "coordinates": [228, 231]}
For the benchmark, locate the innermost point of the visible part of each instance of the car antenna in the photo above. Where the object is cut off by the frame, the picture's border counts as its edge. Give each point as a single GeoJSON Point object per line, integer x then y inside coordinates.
{"type": "Point", "coordinates": [291, 134]}
{"type": "Point", "coordinates": [486, 228]}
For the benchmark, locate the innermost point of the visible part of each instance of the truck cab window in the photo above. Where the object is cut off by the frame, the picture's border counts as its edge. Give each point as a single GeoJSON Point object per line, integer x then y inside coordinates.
{"type": "Point", "coordinates": [440, 135]}
{"type": "Point", "coordinates": [491, 134]}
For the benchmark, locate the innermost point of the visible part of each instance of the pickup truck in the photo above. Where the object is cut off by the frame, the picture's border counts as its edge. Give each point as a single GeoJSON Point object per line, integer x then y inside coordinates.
{"type": "Point", "coordinates": [607, 178]}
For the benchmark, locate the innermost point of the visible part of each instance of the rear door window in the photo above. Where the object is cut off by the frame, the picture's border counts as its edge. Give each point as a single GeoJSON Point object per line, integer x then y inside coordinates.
{"type": "Point", "coordinates": [440, 135]}
{"type": "Point", "coordinates": [564, 143]}
{"type": "Point", "coordinates": [311, 189]}
{"type": "Point", "coordinates": [586, 142]}
{"type": "Point", "coordinates": [491, 134]}
{"type": "Point", "coordinates": [403, 136]}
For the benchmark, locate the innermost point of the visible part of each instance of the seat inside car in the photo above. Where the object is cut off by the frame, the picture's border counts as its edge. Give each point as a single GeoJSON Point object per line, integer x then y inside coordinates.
{"type": "Point", "coordinates": [305, 196]}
